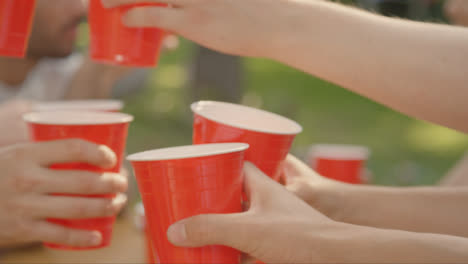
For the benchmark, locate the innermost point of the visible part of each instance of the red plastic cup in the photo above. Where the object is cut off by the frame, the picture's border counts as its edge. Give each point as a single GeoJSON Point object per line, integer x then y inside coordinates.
{"type": "Point", "coordinates": [345, 163]}
{"type": "Point", "coordinates": [16, 18]}
{"type": "Point", "coordinates": [142, 225]}
{"type": "Point", "coordinates": [108, 129]}
{"type": "Point", "coordinates": [81, 105]}
{"type": "Point", "coordinates": [270, 136]}
{"type": "Point", "coordinates": [112, 42]}
{"type": "Point", "coordinates": [181, 182]}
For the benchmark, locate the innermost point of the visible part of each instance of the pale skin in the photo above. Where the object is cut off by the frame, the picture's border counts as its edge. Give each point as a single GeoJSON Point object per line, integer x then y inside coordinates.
{"type": "Point", "coordinates": [458, 175]}
{"type": "Point", "coordinates": [381, 58]}
{"type": "Point", "coordinates": [27, 181]}
{"type": "Point", "coordinates": [457, 11]}
{"type": "Point", "coordinates": [278, 227]}
{"type": "Point", "coordinates": [11, 117]}
{"type": "Point", "coordinates": [416, 209]}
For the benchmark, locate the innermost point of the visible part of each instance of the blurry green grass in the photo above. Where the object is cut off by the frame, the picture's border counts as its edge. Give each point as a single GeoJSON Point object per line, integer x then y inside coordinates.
{"type": "Point", "coordinates": [404, 151]}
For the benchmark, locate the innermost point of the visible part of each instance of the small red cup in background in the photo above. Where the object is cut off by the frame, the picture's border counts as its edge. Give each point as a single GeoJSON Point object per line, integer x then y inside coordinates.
{"type": "Point", "coordinates": [270, 136]}
{"type": "Point", "coordinates": [103, 128]}
{"type": "Point", "coordinates": [113, 42]}
{"type": "Point", "coordinates": [345, 163]}
{"type": "Point", "coordinates": [177, 183]}
{"type": "Point", "coordinates": [16, 18]}
{"type": "Point", "coordinates": [80, 105]}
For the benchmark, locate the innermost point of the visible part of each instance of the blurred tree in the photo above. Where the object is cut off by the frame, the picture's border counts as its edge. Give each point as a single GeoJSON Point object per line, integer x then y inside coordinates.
{"type": "Point", "coordinates": [215, 76]}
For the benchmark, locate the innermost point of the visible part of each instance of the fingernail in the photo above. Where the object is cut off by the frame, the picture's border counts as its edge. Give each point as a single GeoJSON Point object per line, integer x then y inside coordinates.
{"type": "Point", "coordinates": [177, 234]}
{"type": "Point", "coordinates": [108, 155]}
{"type": "Point", "coordinates": [96, 238]}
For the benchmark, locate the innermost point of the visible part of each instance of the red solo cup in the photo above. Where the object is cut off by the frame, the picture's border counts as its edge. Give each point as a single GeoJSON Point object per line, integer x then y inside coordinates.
{"type": "Point", "coordinates": [16, 18]}
{"type": "Point", "coordinates": [141, 223]}
{"type": "Point", "coordinates": [344, 163]}
{"type": "Point", "coordinates": [108, 129]}
{"type": "Point", "coordinates": [177, 183]}
{"type": "Point", "coordinates": [270, 136]}
{"type": "Point", "coordinates": [113, 42]}
{"type": "Point", "coordinates": [81, 105]}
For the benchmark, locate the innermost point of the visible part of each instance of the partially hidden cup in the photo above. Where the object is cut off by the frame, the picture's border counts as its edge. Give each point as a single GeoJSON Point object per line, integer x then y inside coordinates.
{"type": "Point", "coordinates": [109, 129]}
{"type": "Point", "coordinates": [269, 135]}
{"type": "Point", "coordinates": [142, 225]}
{"type": "Point", "coordinates": [114, 43]}
{"type": "Point", "coordinates": [181, 182]}
{"type": "Point", "coordinates": [345, 163]}
{"type": "Point", "coordinates": [16, 18]}
{"type": "Point", "coordinates": [104, 105]}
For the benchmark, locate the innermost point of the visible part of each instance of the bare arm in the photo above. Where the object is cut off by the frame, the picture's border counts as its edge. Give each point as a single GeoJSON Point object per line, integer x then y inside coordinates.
{"type": "Point", "coordinates": [416, 209]}
{"type": "Point", "coordinates": [458, 175]}
{"type": "Point", "coordinates": [420, 69]}
{"type": "Point", "coordinates": [280, 228]}
{"type": "Point", "coordinates": [95, 81]}
{"type": "Point", "coordinates": [417, 68]}
{"type": "Point", "coordinates": [424, 209]}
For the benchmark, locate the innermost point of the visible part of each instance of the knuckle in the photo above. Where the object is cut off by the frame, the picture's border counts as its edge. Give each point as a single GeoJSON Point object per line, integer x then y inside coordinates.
{"type": "Point", "coordinates": [88, 183]}
{"type": "Point", "coordinates": [117, 184]}
{"type": "Point", "coordinates": [23, 228]}
{"type": "Point", "coordinates": [77, 148]}
{"type": "Point", "coordinates": [105, 208]}
{"type": "Point", "coordinates": [80, 210]}
{"type": "Point", "coordinates": [24, 181]}
{"type": "Point", "coordinates": [19, 153]}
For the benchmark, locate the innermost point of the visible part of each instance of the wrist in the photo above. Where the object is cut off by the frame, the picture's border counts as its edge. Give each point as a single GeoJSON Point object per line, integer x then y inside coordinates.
{"type": "Point", "coordinates": [333, 199]}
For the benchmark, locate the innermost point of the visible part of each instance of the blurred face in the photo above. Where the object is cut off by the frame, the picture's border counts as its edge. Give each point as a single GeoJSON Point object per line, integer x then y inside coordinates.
{"type": "Point", "coordinates": [55, 27]}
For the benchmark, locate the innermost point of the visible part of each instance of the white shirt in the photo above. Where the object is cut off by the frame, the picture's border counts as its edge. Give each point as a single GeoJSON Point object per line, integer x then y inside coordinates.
{"type": "Point", "coordinates": [47, 81]}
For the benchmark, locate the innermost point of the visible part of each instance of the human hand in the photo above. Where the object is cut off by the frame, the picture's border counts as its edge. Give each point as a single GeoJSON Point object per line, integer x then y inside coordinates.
{"type": "Point", "coordinates": [27, 181]}
{"type": "Point", "coordinates": [278, 227]}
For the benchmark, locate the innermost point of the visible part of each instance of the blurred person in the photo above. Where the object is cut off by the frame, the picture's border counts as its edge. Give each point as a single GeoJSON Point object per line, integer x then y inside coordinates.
{"type": "Point", "coordinates": [27, 181]}
{"type": "Point", "coordinates": [52, 70]}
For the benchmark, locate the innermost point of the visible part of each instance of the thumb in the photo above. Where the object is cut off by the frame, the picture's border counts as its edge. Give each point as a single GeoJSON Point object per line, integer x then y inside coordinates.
{"type": "Point", "coordinates": [210, 229]}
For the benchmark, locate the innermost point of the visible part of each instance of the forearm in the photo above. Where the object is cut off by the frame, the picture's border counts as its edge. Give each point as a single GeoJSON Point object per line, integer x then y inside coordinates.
{"type": "Point", "coordinates": [94, 81]}
{"type": "Point", "coordinates": [458, 176]}
{"type": "Point", "coordinates": [420, 209]}
{"type": "Point", "coordinates": [416, 68]}
{"type": "Point", "coordinates": [356, 244]}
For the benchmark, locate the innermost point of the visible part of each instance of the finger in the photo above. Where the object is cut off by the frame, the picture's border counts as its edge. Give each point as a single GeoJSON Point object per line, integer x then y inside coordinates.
{"type": "Point", "coordinates": [52, 233]}
{"type": "Point", "coordinates": [66, 207]}
{"type": "Point", "coordinates": [258, 187]}
{"type": "Point", "coordinates": [81, 182]}
{"type": "Point", "coordinates": [116, 3]}
{"type": "Point", "coordinates": [294, 167]}
{"type": "Point", "coordinates": [161, 17]}
{"type": "Point", "coordinates": [215, 229]}
{"type": "Point", "coordinates": [71, 150]}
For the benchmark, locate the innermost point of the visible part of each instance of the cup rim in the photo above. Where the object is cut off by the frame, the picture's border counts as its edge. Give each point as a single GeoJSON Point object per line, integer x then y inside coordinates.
{"type": "Point", "coordinates": [73, 105]}
{"type": "Point", "coordinates": [339, 152]}
{"type": "Point", "coordinates": [76, 118]}
{"type": "Point", "coordinates": [293, 128]}
{"type": "Point", "coordinates": [187, 152]}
